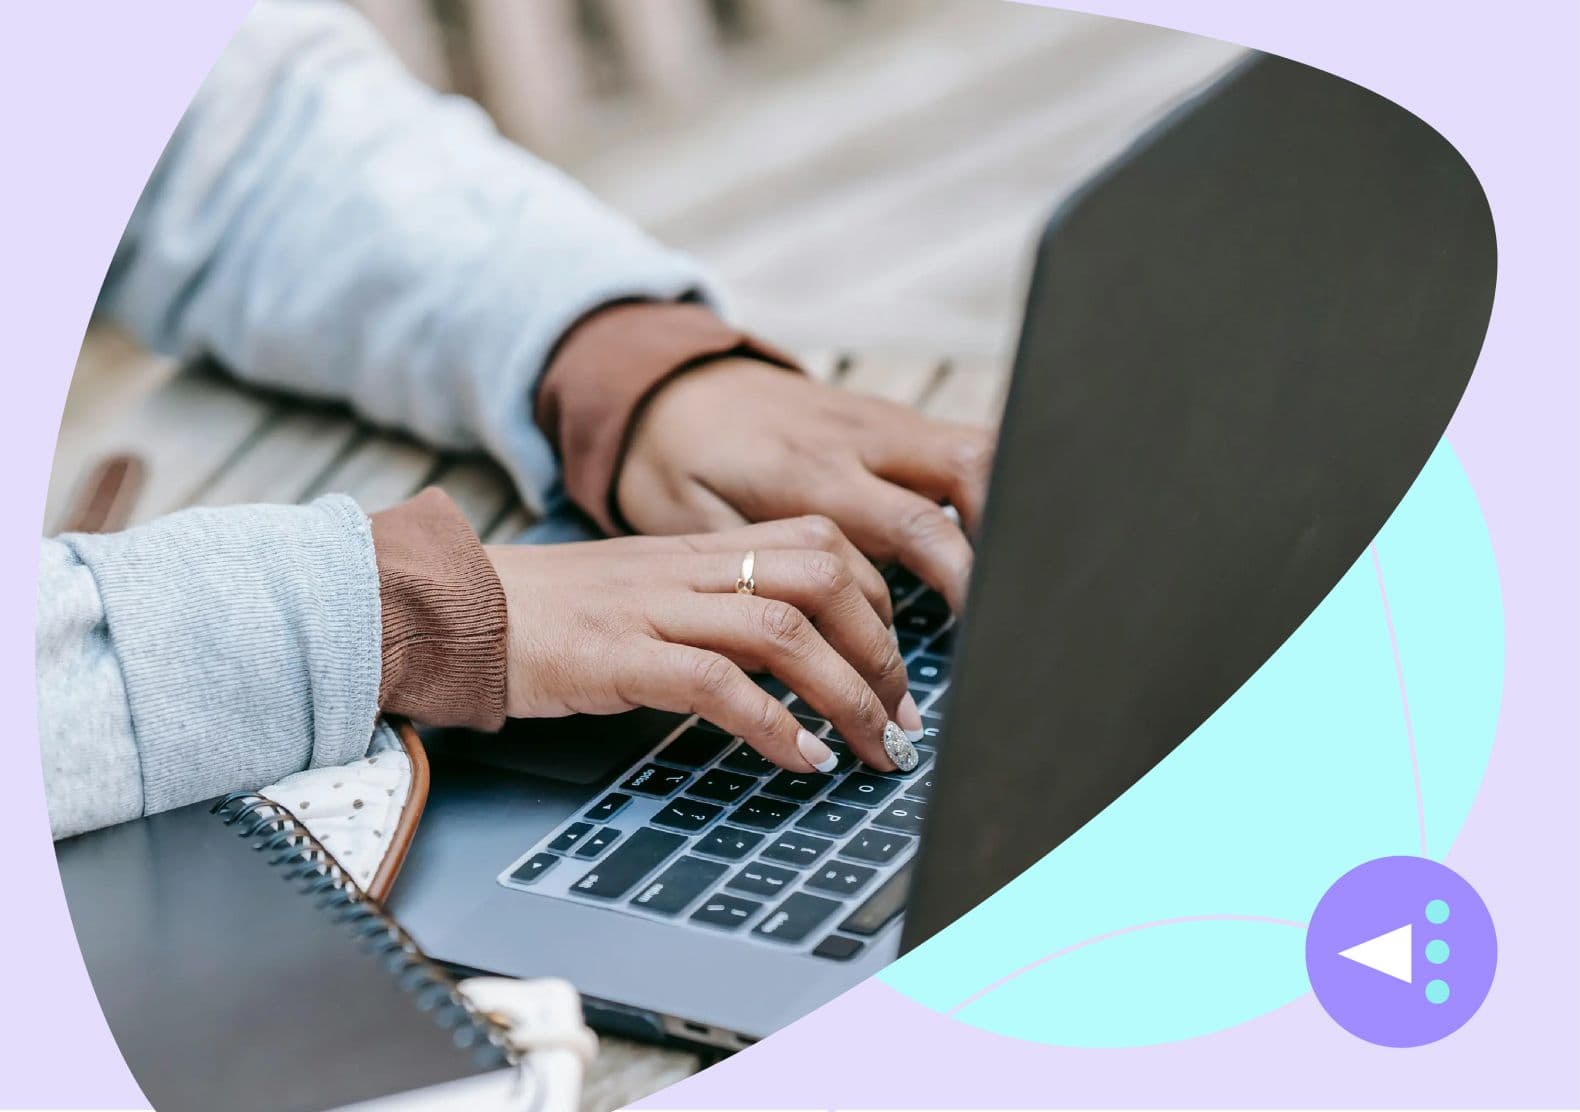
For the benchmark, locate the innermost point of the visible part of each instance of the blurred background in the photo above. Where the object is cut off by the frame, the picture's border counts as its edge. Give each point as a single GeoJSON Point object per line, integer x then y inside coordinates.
{"type": "Point", "coordinates": [861, 173]}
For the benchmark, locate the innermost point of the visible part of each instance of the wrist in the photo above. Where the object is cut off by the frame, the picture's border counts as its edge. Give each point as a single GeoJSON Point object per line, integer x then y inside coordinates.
{"type": "Point", "coordinates": [443, 617]}
{"type": "Point", "coordinates": [607, 370]}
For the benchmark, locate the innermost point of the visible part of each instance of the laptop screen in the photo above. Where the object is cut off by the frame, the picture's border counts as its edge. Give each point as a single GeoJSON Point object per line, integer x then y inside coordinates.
{"type": "Point", "coordinates": [1242, 342]}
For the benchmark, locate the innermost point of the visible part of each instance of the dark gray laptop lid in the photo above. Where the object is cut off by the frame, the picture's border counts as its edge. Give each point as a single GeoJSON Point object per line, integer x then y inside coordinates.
{"type": "Point", "coordinates": [1241, 344]}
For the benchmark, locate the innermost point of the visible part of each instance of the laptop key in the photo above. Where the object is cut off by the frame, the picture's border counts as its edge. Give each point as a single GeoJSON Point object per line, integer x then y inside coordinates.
{"type": "Point", "coordinates": [602, 840]}
{"type": "Point", "coordinates": [534, 867]}
{"type": "Point", "coordinates": [799, 786]}
{"type": "Point", "coordinates": [920, 618]}
{"type": "Point", "coordinates": [685, 814]}
{"type": "Point", "coordinates": [831, 818]}
{"type": "Point", "coordinates": [656, 780]}
{"type": "Point", "coordinates": [841, 878]}
{"type": "Point", "coordinates": [795, 848]}
{"type": "Point", "coordinates": [886, 901]}
{"type": "Point", "coordinates": [796, 918]}
{"type": "Point", "coordinates": [672, 890]}
{"type": "Point", "coordinates": [944, 643]}
{"type": "Point", "coordinates": [847, 760]}
{"type": "Point", "coordinates": [922, 788]}
{"type": "Point", "coordinates": [905, 815]}
{"type": "Point", "coordinates": [607, 807]}
{"type": "Point", "coordinates": [902, 584]}
{"type": "Point", "coordinates": [877, 846]}
{"type": "Point", "coordinates": [813, 724]}
{"type": "Point", "coordinates": [722, 910]}
{"type": "Point", "coordinates": [568, 837]}
{"type": "Point", "coordinates": [694, 748]}
{"type": "Point", "coordinates": [630, 863]}
{"type": "Point", "coordinates": [758, 879]}
{"type": "Point", "coordinates": [748, 760]}
{"type": "Point", "coordinates": [864, 790]}
{"type": "Point", "coordinates": [722, 785]}
{"type": "Point", "coordinates": [836, 947]}
{"type": "Point", "coordinates": [928, 670]}
{"type": "Point", "coordinates": [763, 813]}
{"type": "Point", "coordinates": [728, 842]}
{"type": "Point", "coordinates": [771, 684]}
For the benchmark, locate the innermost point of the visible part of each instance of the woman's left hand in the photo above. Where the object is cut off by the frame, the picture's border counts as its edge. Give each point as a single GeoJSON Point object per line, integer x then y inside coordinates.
{"type": "Point", "coordinates": [739, 441]}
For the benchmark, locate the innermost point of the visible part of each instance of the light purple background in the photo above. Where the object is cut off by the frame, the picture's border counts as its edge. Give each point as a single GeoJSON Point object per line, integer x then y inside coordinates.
{"type": "Point", "coordinates": [86, 103]}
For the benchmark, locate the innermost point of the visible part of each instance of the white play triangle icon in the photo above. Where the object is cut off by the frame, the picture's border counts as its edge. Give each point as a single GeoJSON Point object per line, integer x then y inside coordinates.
{"type": "Point", "coordinates": [1389, 953]}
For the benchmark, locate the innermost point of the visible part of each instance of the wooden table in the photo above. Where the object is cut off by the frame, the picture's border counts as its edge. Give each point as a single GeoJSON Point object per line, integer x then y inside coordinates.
{"type": "Point", "coordinates": [207, 441]}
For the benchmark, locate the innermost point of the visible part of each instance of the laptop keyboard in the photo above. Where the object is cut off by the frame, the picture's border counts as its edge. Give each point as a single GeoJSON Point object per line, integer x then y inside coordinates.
{"type": "Point", "coordinates": [707, 832]}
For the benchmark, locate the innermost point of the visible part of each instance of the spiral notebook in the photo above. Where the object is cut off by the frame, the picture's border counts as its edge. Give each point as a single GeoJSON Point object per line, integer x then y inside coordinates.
{"type": "Point", "coordinates": [241, 969]}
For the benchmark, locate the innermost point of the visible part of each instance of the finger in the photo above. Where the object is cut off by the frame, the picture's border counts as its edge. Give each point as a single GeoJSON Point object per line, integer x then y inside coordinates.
{"type": "Point", "coordinates": [656, 503]}
{"type": "Point", "coordinates": [823, 587]}
{"type": "Point", "coordinates": [889, 522]}
{"type": "Point", "coordinates": [688, 680]}
{"type": "Point", "coordinates": [766, 635]}
{"type": "Point", "coordinates": [951, 467]}
{"type": "Point", "coordinates": [715, 514]}
{"type": "Point", "coordinates": [812, 531]}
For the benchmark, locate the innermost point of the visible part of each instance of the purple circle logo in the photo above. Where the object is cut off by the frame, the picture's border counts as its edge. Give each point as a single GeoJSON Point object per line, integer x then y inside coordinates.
{"type": "Point", "coordinates": [1401, 951]}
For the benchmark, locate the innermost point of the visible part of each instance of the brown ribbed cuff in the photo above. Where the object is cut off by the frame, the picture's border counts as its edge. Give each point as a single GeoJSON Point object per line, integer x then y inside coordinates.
{"type": "Point", "coordinates": [443, 616]}
{"type": "Point", "coordinates": [605, 370]}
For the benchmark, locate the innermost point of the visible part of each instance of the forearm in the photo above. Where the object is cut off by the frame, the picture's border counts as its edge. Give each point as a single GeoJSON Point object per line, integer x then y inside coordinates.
{"type": "Point", "coordinates": [209, 651]}
{"type": "Point", "coordinates": [219, 650]}
{"type": "Point", "coordinates": [323, 223]}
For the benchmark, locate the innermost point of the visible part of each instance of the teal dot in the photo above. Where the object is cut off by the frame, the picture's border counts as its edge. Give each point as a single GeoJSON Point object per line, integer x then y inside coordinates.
{"type": "Point", "coordinates": [1437, 951]}
{"type": "Point", "coordinates": [1437, 912]}
{"type": "Point", "coordinates": [1437, 991]}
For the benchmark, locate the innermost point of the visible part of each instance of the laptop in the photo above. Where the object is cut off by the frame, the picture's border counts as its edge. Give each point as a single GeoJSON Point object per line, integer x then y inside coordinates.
{"type": "Point", "coordinates": [1241, 342]}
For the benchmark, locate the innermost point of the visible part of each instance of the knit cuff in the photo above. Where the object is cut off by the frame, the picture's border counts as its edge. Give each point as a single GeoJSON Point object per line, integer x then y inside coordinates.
{"type": "Point", "coordinates": [443, 615]}
{"type": "Point", "coordinates": [603, 373]}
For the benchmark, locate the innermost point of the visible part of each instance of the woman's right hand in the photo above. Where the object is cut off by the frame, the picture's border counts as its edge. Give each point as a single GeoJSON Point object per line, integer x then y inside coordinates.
{"type": "Point", "coordinates": [606, 626]}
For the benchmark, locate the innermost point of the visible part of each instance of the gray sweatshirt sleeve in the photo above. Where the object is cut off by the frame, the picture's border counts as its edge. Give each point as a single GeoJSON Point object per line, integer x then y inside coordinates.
{"type": "Point", "coordinates": [323, 223]}
{"type": "Point", "coordinates": [206, 652]}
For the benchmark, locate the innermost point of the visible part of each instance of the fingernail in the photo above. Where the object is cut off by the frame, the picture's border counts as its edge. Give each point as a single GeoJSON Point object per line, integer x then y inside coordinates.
{"type": "Point", "coordinates": [818, 755]}
{"type": "Point", "coordinates": [910, 718]}
{"type": "Point", "coordinates": [899, 748]}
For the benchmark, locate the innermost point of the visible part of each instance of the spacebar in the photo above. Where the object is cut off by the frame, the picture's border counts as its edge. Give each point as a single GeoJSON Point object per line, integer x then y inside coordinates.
{"type": "Point", "coordinates": [882, 906]}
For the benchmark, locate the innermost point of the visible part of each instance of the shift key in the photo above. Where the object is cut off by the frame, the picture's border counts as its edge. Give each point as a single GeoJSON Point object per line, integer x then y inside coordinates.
{"type": "Point", "coordinates": [623, 869]}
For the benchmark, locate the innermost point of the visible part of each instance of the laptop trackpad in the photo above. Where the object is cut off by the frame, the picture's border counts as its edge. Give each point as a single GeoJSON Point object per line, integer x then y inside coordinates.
{"type": "Point", "coordinates": [581, 749]}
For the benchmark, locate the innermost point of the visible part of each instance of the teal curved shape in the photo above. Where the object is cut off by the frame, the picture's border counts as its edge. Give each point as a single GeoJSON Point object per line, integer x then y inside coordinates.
{"type": "Point", "coordinates": [1180, 910]}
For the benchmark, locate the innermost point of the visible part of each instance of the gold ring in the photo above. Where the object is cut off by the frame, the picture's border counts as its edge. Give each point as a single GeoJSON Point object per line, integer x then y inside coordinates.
{"type": "Point", "coordinates": [746, 585]}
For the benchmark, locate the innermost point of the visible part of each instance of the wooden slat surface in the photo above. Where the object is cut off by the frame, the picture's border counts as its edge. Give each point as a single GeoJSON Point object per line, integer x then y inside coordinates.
{"type": "Point", "coordinates": [899, 377]}
{"type": "Point", "coordinates": [480, 488]}
{"type": "Point", "coordinates": [968, 390]}
{"type": "Point", "coordinates": [284, 458]}
{"type": "Point", "coordinates": [379, 471]}
{"type": "Point", "coordinates": [187, 432]}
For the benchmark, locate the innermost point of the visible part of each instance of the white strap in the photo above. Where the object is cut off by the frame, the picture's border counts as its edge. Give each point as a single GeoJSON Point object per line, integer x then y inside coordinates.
{"type": "Point", "coordinates": [544, 1018]}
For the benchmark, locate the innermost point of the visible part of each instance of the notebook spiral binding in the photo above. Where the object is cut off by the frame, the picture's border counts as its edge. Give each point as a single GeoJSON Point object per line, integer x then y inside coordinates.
{"type": "Point", "coordinates": [301, 859]}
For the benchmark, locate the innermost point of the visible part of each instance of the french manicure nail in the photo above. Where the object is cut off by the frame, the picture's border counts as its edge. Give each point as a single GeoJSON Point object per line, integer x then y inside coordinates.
{"type": "Point", "coordinates": [899, 748]}
{"type": "Point", "coordinates": [818, 755]}
{"type": "Point", "coordinates": [909, 718]}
